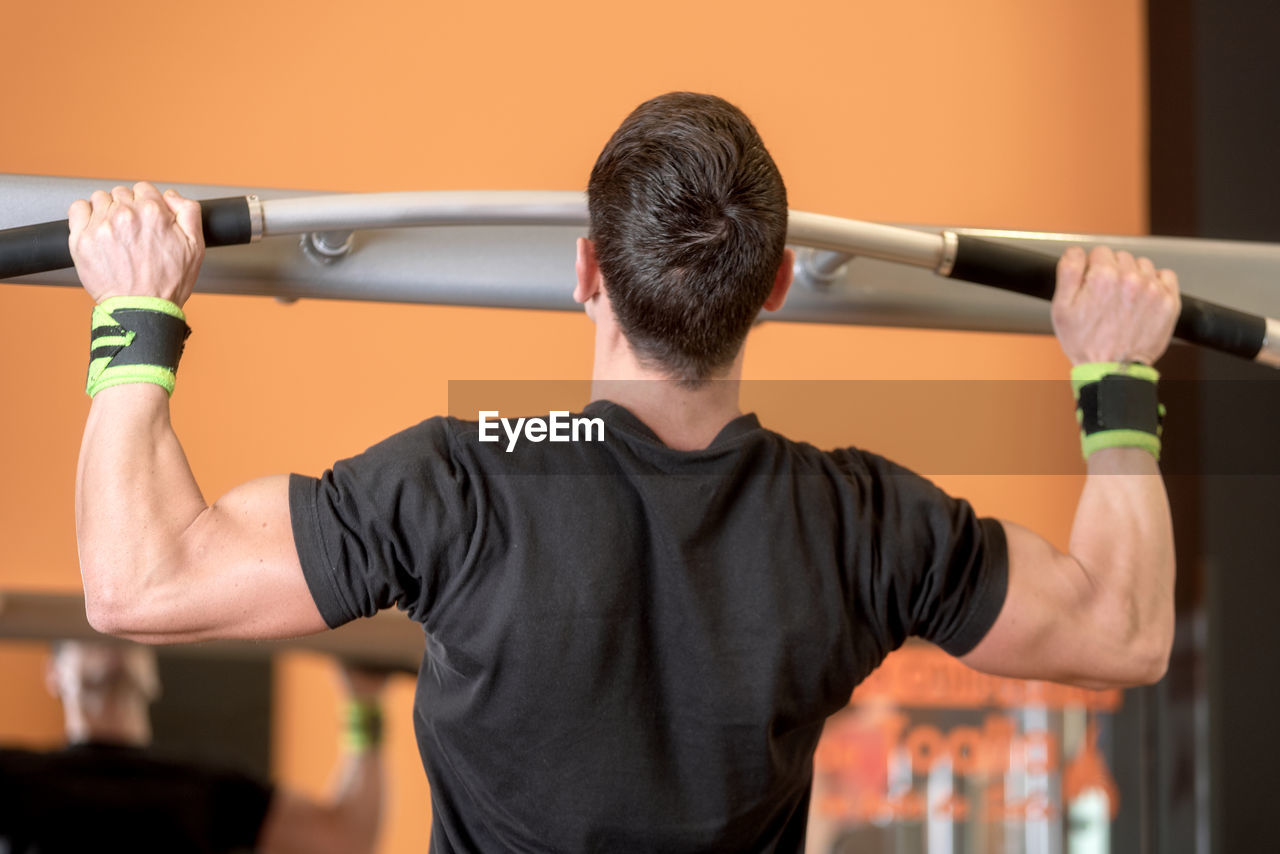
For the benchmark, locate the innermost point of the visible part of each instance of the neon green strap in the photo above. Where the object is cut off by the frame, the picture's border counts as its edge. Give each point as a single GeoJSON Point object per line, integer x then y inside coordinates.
{"type": "Point", "coordinates": [1120, 439]}
{"type": "Point", "coordinates": [108, 338]}
{"type": "Point", "coordinates": [1093, 372]}
{"type": "Point", "coordinates": [107, 376]}
{"type": "Point", "coordinates": [163, 306]}
{"type": "Point", "coordinates": [363, 729]}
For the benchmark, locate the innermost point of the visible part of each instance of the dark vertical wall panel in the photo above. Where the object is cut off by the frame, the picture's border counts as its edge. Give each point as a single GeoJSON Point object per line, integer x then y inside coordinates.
{"type": "Point", "coordinates": [1172, 118]}
{"type": "Point", "coordinates": [1237, 109]}
{"type": "Point", "coordinates": [215, 710]}
{"type": "Point", "coordinates": [1215, 172]}
{"type": "Point", "coordinates": [1240, 528]}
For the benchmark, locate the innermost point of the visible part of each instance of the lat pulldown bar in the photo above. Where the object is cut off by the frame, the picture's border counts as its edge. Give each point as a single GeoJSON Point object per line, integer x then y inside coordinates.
{"type": "Point", "coordinates": [244, 219]}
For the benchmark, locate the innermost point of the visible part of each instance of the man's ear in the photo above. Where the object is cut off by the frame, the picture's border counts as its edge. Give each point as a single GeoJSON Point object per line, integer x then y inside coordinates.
{"type": "Point", "coordinates": [590, 282]}
{"type": "Point", "coordinates": [782, 281]}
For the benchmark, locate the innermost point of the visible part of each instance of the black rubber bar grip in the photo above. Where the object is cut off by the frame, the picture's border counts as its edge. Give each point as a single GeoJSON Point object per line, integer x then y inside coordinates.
{"type": "Point", "coordinates": [1024, 271]}
{"type": "Point", "coordinates": [43, 247]}
{"type": "Point", "coordinates": [1010, 268]}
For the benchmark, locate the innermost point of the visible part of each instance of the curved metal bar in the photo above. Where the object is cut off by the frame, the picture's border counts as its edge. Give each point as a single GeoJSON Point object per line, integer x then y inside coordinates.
{"type": "Point", "coordinates": [354, 212]}
{"type": "Point", "coordinates": [357, 211]}
{"type": "Point", "coordinates": [515, 266]}
{"type": "Point", "coordinates": [866, 239]}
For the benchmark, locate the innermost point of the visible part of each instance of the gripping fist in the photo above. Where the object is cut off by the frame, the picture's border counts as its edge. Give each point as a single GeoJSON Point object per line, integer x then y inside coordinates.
{"type": "Point", "coordinates": [137, 242]}
{"type": "Point", "coordinates": [1109, 307]}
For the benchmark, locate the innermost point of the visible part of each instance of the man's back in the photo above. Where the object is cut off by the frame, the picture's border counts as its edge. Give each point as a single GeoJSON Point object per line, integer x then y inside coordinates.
{"type": "Point", "coordinates": [97, 796]}
{"type": "Point", "coordinates": [634, 647]}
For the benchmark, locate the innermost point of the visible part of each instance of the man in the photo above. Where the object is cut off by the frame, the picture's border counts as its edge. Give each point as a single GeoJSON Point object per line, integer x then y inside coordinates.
{"type": "Point", "coordinates": [108, 791]}
{"type": "Point", "coordinates": [631, 643]}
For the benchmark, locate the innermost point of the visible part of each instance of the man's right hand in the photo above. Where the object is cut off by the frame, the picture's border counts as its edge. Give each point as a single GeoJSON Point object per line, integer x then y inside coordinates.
{"type": "Point", "coordinates": [1109, 307]}
{"type": "Point", "coordinates": [137, 242]}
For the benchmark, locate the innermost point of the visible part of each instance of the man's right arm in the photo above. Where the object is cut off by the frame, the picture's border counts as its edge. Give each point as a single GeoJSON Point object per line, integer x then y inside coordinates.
{"type": "Point", "coordinates": [158, 563]}
{"type": "Point", "coordinates": [1100, 615]}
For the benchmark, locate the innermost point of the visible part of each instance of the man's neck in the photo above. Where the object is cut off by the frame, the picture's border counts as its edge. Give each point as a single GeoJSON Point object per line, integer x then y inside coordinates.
{"type": "Point", "coordinates": [683, 417]}
{"type": "Point", "coordinates": [112, 723]}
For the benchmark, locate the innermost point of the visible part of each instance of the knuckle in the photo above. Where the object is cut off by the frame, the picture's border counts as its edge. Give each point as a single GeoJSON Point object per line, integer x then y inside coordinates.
{"type": "Point", "coordinates": [149, 208]}
{"type": "Point", "coordinates": [1100, 275]}
{"type": "Point", "coordinates": [1132, 282]}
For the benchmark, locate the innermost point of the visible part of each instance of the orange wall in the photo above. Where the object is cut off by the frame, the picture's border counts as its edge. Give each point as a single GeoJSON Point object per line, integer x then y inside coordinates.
{"type": "Point", "coordinates": [995, 113]}
{"type": "Point", "coordinates": [29, 715]}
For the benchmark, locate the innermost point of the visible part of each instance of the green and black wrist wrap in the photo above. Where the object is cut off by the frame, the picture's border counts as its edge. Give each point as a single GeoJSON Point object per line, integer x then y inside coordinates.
{"type": "Point", "coordinates": [135, 340]}
{"type": "Point", "coordinates": [1117, 406]}
{"type": "Point", "coordinates": [363, 726]}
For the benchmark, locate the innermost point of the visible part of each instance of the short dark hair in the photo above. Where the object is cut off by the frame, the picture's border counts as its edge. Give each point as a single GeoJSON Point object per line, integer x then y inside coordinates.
{"type": "Point", "coordinates": [689, 221]}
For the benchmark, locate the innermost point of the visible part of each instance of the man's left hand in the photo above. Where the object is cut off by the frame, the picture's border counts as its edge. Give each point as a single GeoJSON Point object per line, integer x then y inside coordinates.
{"type": "Point", "coordinates": [137, 242]}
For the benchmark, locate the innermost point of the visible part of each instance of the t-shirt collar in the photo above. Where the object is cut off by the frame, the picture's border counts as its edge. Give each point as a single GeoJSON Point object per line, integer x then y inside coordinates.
{"type": "Point", "coordinates": [624, 419]}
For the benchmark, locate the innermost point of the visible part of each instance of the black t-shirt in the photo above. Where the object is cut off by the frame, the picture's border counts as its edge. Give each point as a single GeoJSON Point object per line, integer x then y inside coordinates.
{"type": "Point", "coordinates": [630, 647]}
{"type": "Point", "coordinates": [100, 797]}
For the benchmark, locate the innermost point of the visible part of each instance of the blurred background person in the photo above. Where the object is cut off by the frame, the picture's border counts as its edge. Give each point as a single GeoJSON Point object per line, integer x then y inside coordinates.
{"type": "Point", "coordinates": [109, 790]}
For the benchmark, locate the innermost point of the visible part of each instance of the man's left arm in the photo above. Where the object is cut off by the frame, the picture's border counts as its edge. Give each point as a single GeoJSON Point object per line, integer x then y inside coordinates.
{"type": "Point", "coordinates": [1100, 615]}
{"type": "Point", "coordinates": [349, 821]}
{"type": "Point", "coordinates": [158, 563]}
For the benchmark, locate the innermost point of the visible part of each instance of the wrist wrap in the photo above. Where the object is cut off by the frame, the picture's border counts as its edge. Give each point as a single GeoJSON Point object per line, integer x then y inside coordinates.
{"type": "Point", "coordinates": [363, 726]}
{"type": "Point", "coordinates": [135, 340]}
{"type": "Point", "coordinates": [1117, 407]}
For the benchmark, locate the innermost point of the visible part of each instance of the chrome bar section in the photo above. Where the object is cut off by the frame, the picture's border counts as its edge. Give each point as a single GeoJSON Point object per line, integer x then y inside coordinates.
{"type": "Point", "coordinates": [255, 217]}
{"type": "Point", "coordinates": [950, 246]}
{"type": "Point", "coordinates": [1270, 352]}
{"type": "Point", "coordinates": [865, 239]}
{"type": "Point", "coordinates": [355, 212]}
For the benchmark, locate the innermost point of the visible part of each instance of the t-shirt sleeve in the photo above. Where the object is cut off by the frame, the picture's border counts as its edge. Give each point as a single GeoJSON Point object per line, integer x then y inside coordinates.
{"type": "Point", "coordinates": [931, 567]}
{"type": "Point", "coordinates": [385, 527]}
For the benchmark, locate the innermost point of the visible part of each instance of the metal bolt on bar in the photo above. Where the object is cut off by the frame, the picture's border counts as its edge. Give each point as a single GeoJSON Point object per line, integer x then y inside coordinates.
{"type": "Point", "coordinates": [326, 247]}
{"type": "Point", "coordinates": [821, 268]}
